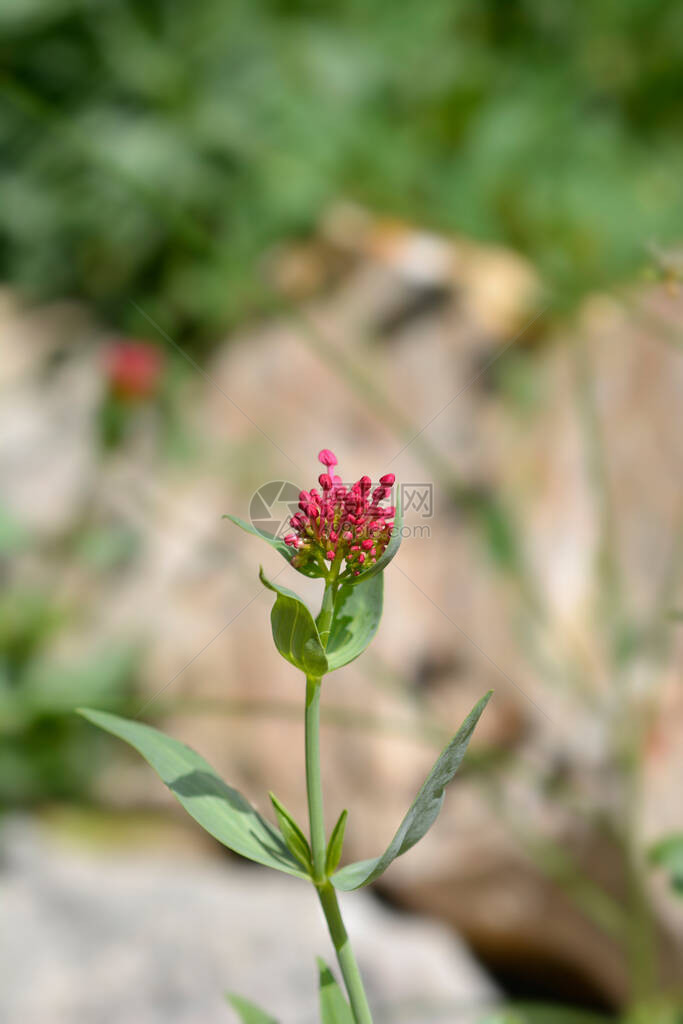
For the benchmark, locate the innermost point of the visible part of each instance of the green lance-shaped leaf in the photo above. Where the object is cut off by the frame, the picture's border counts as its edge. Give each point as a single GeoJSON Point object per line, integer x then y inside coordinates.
{"type": "Point", "coordinates": [389, 551]}
{"type": "Point", "coordinates": [311, 569]}
{"type": "Point", "coordinates": [295, 632]}
{"type": "Point", "coordinates": [248, 1013]}
{"type": "Point", "coordinates": [356, 616]}
{"type": "Point", "coordinates": [222, 811]}
{"type": "Point", "coordinates": [293, 836]}
{"type": "Point", "coordinates": [334, 847]}
{"type": "Point", "coordinates": [668, 853]}
{"type": "Point", "coordinates": [423, 811]}
{"type": "Point", "coordinates": [334, 1008]}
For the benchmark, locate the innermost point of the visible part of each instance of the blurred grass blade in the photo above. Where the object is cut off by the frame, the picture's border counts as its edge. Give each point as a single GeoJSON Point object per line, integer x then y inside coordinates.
{"type": "Point", "coordinates": [294, 631]}
{"type": "Point", "coordinates": [334, 1008]}
{"type": "Point", "coordinates": [423, 811]}
{"type": "Point", "coordinates": [248, 1012]}
{"type": "Point", "coordinates": [357, 614]}
{"type": "Point", "coordinates": [222, 811]}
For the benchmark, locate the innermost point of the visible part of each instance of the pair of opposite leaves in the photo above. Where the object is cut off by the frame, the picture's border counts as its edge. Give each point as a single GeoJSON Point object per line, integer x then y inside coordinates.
{"type": "Point", "coordinates": [223, 811]}
{"type": "Point", "coordinates": [357, 610]}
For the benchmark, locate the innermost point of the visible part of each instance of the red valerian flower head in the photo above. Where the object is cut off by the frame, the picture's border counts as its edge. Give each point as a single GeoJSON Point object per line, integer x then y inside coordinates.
{"type": "Point", "coordinates": [348, 527]}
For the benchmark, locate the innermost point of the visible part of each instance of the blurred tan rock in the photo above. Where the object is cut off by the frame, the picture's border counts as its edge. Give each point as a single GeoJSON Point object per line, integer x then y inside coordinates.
{"type": "Point", "coordinates": [49, 391]}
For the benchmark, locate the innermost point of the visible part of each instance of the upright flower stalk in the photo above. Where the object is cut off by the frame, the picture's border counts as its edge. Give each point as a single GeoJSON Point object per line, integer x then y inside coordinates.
{"type": "Point", "coordinates": [336, 526]}
{"type": "Point", "coordinates": [326, 891]}
{"type": "Point", "coordinates": [345, 536]}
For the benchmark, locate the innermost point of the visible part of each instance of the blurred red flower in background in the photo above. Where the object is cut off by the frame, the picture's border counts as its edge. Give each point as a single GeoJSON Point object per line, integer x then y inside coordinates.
{"type": "Point", "coordinates": [133, 368]}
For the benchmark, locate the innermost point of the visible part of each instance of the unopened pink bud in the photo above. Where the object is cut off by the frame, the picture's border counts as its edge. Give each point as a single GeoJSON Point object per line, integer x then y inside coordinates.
{"type": "Point", "coordinates": [367, 544]}
{"type": "Point", "coordinates": [347, 535]}
{"type": "Point", "coordinates": [361, 557]}
{"type": "Point", "coordinates": [365, 483]}
{"type": "Point", "coordinates": [327, 457]}
{"type": "Point", "coordinates": [330, 556]}
{"type": "Point", "coordinates": [388, 479]}
{"type": "Point", "coordinates": [325, 481]}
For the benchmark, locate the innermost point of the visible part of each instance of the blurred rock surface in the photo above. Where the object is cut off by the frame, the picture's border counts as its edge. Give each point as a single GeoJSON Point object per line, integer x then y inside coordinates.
{"type": "Point", "coordinates": [158, 939]}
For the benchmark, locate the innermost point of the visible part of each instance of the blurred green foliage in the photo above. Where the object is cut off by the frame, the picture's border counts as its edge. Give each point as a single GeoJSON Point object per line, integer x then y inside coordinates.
{"type": "Point", "coordinates": [154, 149]}
{"type": "Point", "coordinates": [668, 854]}
{"type": "Point", "coordinates": [46, 752]}
{"type": "Point", "coordinates": [543, 1013]}
{"type": "Point", "coordinates": [546, 1014]}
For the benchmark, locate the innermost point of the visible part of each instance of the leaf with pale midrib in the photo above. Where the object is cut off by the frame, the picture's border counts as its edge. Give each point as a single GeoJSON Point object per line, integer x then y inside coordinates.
{"type": "Point", "coordinates": [311, 569]}
{"type": "Point", "coordinates": [221, 810]}
{"type": "Point", "coordinates": [423, 811]}
{"type": "Point", "coordinates": [356, 617]}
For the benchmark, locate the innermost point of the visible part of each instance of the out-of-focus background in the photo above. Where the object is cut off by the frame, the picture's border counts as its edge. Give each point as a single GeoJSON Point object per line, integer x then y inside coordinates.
{"type": "Point", "coordinates": [446, 241]}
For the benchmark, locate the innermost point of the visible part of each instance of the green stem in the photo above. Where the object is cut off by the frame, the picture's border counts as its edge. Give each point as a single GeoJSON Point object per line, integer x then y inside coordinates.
{"type": "Point", "coordinates": [347, 961]}
{"type": "Point", "coordinates": [324, 620]}
{"type": "Point", "coordinates": [326, 892]}
{"type": "Point", "coordinates": [314, 787]}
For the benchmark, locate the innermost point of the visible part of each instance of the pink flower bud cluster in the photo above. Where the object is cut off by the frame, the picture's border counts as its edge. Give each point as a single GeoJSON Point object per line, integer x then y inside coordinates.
{"type": "Point", "coordinates": [342, 524]}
